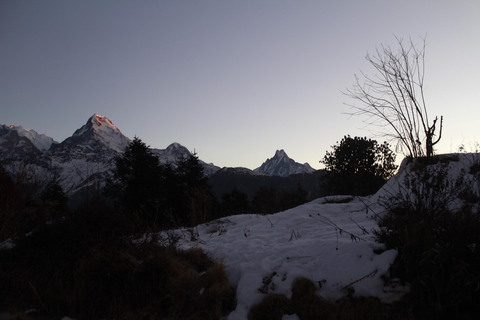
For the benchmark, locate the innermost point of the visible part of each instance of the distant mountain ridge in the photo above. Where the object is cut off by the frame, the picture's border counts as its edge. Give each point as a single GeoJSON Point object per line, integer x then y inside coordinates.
{"type": "Point", "coordinates": [85, 159]}
{"type": "Point", "coordinates": [82, 161]}
{"type": "Point", "coordinates": [17, 141]}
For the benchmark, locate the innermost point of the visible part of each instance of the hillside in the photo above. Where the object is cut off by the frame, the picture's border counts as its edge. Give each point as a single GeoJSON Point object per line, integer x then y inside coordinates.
{"type": "Point", "coordinates": [248, 181]}
{"type": "Point", "coordinates": [328, 240]}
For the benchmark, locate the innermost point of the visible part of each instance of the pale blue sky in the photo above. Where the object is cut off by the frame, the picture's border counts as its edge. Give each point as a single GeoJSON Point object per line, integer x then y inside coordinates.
{"type": "Point", "coordinates": [234, 80]}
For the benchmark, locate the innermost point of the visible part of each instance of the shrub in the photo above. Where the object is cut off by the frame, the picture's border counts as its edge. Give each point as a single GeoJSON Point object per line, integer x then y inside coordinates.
{"type": "Point", "coordinates": [358, 166]}
{"type": "Point", "coordinates": [437, 240]}
{"type": "Point", "coordinates": [87, 267]}
{"type": "Point", "coordinates": [272, 307]}
{"type": "Point", "coordinates": [307, 304]}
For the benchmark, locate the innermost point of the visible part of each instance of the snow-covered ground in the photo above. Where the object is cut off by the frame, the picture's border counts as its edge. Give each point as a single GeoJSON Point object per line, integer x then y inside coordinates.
{"type": "Point", "coordinates": [327, 241]}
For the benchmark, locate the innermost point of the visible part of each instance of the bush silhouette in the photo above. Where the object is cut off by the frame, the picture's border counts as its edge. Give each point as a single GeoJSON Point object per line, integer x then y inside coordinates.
{"type": "Point", "coordinates": [436, 239]}
{"type": "Point", "coordinates": [358, 166]}
{"type": "Point", "coordinates": [87, 267]}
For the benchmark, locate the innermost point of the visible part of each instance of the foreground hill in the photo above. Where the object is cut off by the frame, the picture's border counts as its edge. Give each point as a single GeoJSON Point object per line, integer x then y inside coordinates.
{"type": "Point", "coordinates": [328, 240]}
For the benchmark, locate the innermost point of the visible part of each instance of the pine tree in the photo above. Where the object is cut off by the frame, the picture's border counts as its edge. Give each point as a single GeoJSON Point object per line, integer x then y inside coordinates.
{"type": "Point", "coordinates": [197, 200]}
{"type": "Point", "coordinates": [139, 181]}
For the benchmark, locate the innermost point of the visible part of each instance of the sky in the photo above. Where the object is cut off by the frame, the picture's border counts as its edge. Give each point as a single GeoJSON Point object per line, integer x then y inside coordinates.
{"type": "Point", "coordinates": [233, 81]}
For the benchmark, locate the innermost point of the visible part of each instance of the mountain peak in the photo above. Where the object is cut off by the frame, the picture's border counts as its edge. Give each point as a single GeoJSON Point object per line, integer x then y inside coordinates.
{"type": "Point", "coordinates": [282, 165]}
{"type": "Point", "coordinates": [98, 132]}
{"type": "Point", "coordinates": [99, 121]}
{"type": "Point", "coordinates": [40, 141]}
{"type": "Point", "coordinates": [176, 146]}
{"type": "Point", "coordinates": [172, 153]}
{"type": "Point", "coordinates": [281, 154]}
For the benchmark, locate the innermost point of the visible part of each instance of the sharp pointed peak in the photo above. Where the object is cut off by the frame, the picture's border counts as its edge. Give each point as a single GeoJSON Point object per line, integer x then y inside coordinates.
{"type": "Point", "coordinates": [282, 165]}
{"type": "Point", "coordinates": [100, 120]}
{"type": "Point", "coordinates": [281, 153]}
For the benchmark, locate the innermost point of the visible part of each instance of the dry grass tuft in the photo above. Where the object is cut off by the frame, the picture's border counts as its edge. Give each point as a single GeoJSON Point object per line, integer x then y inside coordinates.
{"type": "Point", "coordinates": [307, 304]}
{"type": "Point", "coordinates": [272, 307]}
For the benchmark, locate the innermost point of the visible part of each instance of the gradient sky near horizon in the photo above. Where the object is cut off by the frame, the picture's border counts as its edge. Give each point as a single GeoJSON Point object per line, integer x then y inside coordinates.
{"type": "Point", "coordinates": [232, 80]}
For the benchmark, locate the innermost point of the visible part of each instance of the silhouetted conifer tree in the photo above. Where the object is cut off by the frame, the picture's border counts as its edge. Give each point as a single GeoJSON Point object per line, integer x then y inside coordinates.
{"type": "Point", "coordinates": [54, 200]}
{"type": "Point", "coordinates": [139, 181]}
{"type": "Point", "coordinates": [195, 199]}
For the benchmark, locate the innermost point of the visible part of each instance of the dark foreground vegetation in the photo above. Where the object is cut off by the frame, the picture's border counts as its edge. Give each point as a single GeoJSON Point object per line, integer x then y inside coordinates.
{"type": "Point", "coordinates": [87, 266]}
{"type": "Point", "coordinates": [95, 262]}
{"type": "Point", "coordinates": [307, 305]}
{"type": "Point", "coordinates": [434, 223]}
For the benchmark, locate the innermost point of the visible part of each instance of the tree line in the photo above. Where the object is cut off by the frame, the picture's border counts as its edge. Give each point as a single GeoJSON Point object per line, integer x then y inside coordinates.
{"type": "Point", "coordinates": [179, 194]}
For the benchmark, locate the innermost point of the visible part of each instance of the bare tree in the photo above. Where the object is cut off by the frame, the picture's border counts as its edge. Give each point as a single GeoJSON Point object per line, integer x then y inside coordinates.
{"type": "Point", "coordinates": [394, 98]}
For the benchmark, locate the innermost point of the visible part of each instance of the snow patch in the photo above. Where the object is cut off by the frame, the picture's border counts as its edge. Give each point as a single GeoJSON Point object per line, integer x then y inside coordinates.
{"type": "Point", "coordinates": [329, 243]}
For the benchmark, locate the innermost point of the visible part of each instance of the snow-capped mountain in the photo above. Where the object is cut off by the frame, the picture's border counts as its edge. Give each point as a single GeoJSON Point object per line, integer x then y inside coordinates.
{"type": "Point", "coordinates": [173, 152]}
{"type": "Point", "coordinates": [98, 134]}
{"type": "Point", "coordinates": [16, 141]}
{"type": "Point", "coordinates": [81, 162]}
{"type": "Point", "coordinates": [40, 141]}
{"type": "Point", "coordinates": [176, 151]}
{"type": "Point", "coordinates": [282, 165]}
{"type": "Point", "coordinates": [84, 161]}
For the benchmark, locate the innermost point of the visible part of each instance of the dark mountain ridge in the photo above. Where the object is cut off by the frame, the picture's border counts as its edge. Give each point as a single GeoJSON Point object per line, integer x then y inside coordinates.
{"type": "Point", "coordinates": [84, 161]}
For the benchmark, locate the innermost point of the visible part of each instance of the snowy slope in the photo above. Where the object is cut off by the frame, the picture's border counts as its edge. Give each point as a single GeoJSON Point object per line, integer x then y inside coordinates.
{"type": "Point", "coordinates": [16, 141]}
{"type": "Point", "coordinates": [456, 165]}
{"type": "Point", "coordinates": [328, 240]}
{"type": "Point", "coordinates": [40, 141]}
{"type": "Point", "coordinates": [301, 242]}
{"type": "Point", "coordinates": [282, 165]}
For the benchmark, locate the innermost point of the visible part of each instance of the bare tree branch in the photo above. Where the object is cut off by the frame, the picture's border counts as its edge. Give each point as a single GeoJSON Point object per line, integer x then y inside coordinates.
{"type": "Point", "coordinates": [394, 98]}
